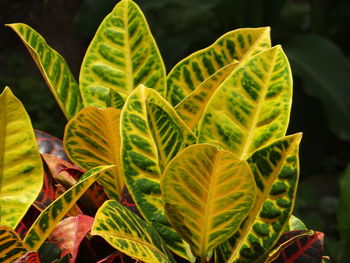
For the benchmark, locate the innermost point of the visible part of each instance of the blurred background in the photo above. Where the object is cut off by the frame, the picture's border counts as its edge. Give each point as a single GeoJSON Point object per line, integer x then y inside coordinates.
{"type": "Point", "coordinates": [313, 33]}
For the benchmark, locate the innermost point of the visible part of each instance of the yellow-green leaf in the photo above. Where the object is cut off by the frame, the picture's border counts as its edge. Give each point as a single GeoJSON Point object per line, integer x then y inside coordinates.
{"type": "Point", "coordinates": [21, 170]}
{"type": "Point", "coordinates": [152, 134]}
{"type": "Point", "coordinates": [129, 234]}
{"type": "Point", "coordinates": [191, 108]}
{"type": "Point", "coordinates": [189, 73]}
{"type": "Point", "coordinates": [276, 171]}
{"type": "Point", "coordinates": [207, 193]}
{"type": "Point", "coordinates": [92, 138]}
{"type": "Point", "coordinates": [53, 68]}
{"type": "Point", "coordinates": [49, 218]}
{"type": "Point", "coordinates": [122, 55]}
{"type": "Point", "coordinates": [251, 108]}
{"type": "Point", "coordinates": [11, 245]}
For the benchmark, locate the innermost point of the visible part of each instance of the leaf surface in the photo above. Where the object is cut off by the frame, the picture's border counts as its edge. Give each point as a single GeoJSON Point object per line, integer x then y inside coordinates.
{"type": "Point", "coordinates": [30, 257]}
{"type": "Point", "coordinates": [11, 245]}
{"type": "Point", "coordinates": [207, 193]}
{"type": "Point", "coordinates": [251, 108]}
{"type": "Point", "coordinates": [50, 217]}
{"type": "Point", "coordinates": [21, 171]}
{"type": "Point", "coordinates": [122, 55]}
{"type": "Point", "coordinates": [152, 134]}
{"type": "Point", "coordinates": [189, 73]}
{"type": "Point", "coordinates": [92, 138]}
{"type": "Point", "coordinates": [53, 68]}
{"type": "Point", "coordinates": [129, 234]}
{"type": "Point", "coordinates": [49, 144]}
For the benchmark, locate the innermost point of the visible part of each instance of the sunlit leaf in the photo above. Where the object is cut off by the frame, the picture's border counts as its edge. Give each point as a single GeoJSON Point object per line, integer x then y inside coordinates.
{"type": "Point", "coordinates": [207, 193]}
{"type": "Point", "coordinates": [21, 171]}
{"type": "Point", "coordinates": [251, 108]}
{"type": "Point", "coordinates": [122, 55]}
{"type": "Point", "coordinates": [50, 217]}
{"type": "Point", "coordinates": [53, 68]}
{"type": "Point", "coordinates": [130, 234]}
{"type": "Point", "coordinates": [152, 134]}
{"type": "Point", "coordinates": [92, 138]}
{"type": "Point", "coordinates": [11, 246]}
{"type": "Point", "coordinates": [189, 73]}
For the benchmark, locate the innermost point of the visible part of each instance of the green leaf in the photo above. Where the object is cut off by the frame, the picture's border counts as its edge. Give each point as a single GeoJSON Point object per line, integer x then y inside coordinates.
{"type": "Point", "coordinates": [49, 218]}
{"type": "Point", "coordinates": [129, 234]}
{"type": "Point", "coordinates": [343, 216]}
{"type": "Point", "coordinates": [295, 223]}
{"type": "Point", "coordinates": [11, 245]}
{"type": "Point", "coordinates": [189, 73]}
{"type": "Point", "coordinates": [251, 108]}
{"type": "Point", "coordinates": [92, 138]}
{"type": "Point", "coordinates": [53, 68]}
{"type": "Point", "coordinates": [122, 55]}
{"type": "Point", "coordinates": [152, 134]}
{"type": "Point", "coordinates": [326, 75]}
{"type": "Point", "coordinates": [276, 171]}
{"type": "Point", "coordinates": [207, 193]}
{"type": "Point", "coordinates": [21, 170]}
{"type": "Point", "coordinates": [191, 108]}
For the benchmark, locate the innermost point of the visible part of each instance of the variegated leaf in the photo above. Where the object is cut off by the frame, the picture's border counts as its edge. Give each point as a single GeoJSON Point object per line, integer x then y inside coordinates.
{"type": "Point", "coordinates": [251, 108]}
{"type": "Point", "coordinates": [92, 138]}
{"type": "Point", "coordinates": [191, 108]}
{"type": "Point", "coordinates": [294, 223]}
{"type": "Point", "coordinates": [122, 55]}
{"type": "Point", "coordinates": [50, 217]}
{"type": "Point", "coordinates": [276, 171]}
{"type": "Point", "coordinates": [21, 170]}
{"type": "Point", "coordinates": [207, 193]}
{"type": "Point", "coordinates": [152, 134]}
{"type": "Point", "coordinates": [11, 246]}
{"type": "Point", "coordinates": [130, 234]}
{"type": "Point", "coordinates": [53, 68]}
{"type": "Point", "coordinates": [189, 73]}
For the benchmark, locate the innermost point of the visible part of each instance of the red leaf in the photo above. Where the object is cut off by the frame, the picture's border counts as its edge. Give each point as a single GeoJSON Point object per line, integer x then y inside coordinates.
{"type": "Point", "coordinates": [50, 144]}
{"type": "Point", "coordinates": [307, 248]}
{"type": "Point", "coordinates": [69, 233]}
{"type": "Point", "coordinates": [27, 221]}
{"type": "Point", "coordinates": [126, 200]}
{"type": "Point", "coordinates": [30, 257]}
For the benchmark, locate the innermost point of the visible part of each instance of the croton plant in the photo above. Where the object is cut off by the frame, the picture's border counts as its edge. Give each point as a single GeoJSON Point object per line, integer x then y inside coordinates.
{"type": "Point", "coordinates": [189, 166]}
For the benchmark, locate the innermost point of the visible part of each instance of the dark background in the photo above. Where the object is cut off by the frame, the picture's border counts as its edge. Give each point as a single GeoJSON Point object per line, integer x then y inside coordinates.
{"type": "Point", "coordinates": [314, 34]}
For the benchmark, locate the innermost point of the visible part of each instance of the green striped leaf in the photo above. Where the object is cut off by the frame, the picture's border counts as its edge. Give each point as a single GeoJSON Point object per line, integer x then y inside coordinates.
{"type": "Point", "coordinates": [53, 68]}
{"type": "Point", "coordinates": [152, 134]}
{"type": "Point", "coordinates": [207, 193]}
{"type": "Point", "coordinates": [92, 138]}
{"type": "Point", "coordinates": [122, 55]}
{"type": "Point", "coordinates": [129, 234]}
{"type": "Point", "coordinates": [21, 170]}
{"type": "Point", "coordinates": [50, 217]}
{"type": "Point", "coordinates": [276, 171]}
{"type": "Point", "coordinates": [251, 108]}
{"type": "Point", "coordinates": [189, 73]}
{"type": "Point", "coordinates": [11, 245]}
{"type": "Point", "coordinates": [191, 108]}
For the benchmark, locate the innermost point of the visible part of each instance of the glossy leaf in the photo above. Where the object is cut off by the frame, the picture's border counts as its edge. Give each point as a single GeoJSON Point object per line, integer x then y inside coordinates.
{"type": "Point", "coordinates": [11, 246]}
{"type": "Point", "coordinates": [129, 234]}
{"type": "Point", "coordinates": [50, 217]}
{"type": "Point", "coordinates": [30, 257]}
{"type": "Point", "coordinates": [295, 223]}
{"type": "Point", "coordinates": [207, 193]}
{"type": "Point", "coordinates": [92, 138]}
{"type": "Point", "coordinates": [49, 144]}
{"type": "Point", "coordinates": [21, 171]}
{"type": "Point", "coordinates": [191, 108]}
{"type": "Point", "coordinates": [122, 55]}
{"type": "Point", "coordinates": [69, 233]}
{"type": "Point", "coordinates": [189, 73]}
{"type": "Point", "coordinates": [251, 108]}
{"type": "Point", "coordinates": [53, 68]}
{"type": "Point", "coordinates": [152, 134]}
{"type": "Point", "coordinates": [276, 171]}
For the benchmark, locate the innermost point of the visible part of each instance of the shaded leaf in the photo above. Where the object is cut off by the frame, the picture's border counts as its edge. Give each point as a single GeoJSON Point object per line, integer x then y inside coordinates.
{"type": "Point", "coordinates": [30, 257]}
{"type": "Point", "coordinates": [129, 234]}
{"type": "Point", "coordinates": [127, 201]}
{"type": "Point", "coordinates": [251, 108]}
{"type": "Point", "coordinates": [11, 245]}
{"type": "Point", "coordinates": [53, 68]}
{"type": "Point", "coordinates": [49, 144]}
{"type": "Point", "coordinates": [343, 216]}
{"type": "Point", "coordinates": [122, 55]}
{"type": "Point", "coordinates": [27, 221]}
{"type": "Point", "coordinates": [21, 171]}
{"type": "Point", "coordinates": [49, 253]}
{"type": "Point", "coordinates": [207, 193]}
